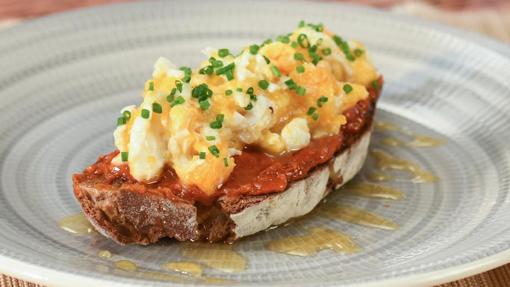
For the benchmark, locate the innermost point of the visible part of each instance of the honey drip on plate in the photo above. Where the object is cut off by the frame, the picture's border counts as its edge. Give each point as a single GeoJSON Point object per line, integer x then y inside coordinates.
{"type": "Point", "coordinates": [126, 265]}
{"type": "Point", "coordinates": [190, 272]}
{"type": "Point", "coordinates": [217, 256]}
{"type": "Point", "coordinates": [387, 126]}
{"type": "Point", "coordinates": [379, 176]}
{"type": "Point", "coordinates": [315, 240]}
{"type": "Point", "coordinates": [425, 141]}
{"type": "Point", "coordinates": [392, 141]}
{"type": "Point", "coordinates": [104, 254]}
{"type": "Point", "coordinates": [386, 161]}
{"type": "Point", "coordinates": [416, 141]}
{"type": "Point", "coordinates": [357, 216]}
{"type": "Point", "coordinates": [188, 268]}
{"type": "Point", "coordinates": [76, 224]}
{"type": "Point", "coordinates": [373, 190]}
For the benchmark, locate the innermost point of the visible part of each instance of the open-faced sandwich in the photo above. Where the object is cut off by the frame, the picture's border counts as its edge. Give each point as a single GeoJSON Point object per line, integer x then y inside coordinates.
{"type": "Point", "coordinates": [240, 144]}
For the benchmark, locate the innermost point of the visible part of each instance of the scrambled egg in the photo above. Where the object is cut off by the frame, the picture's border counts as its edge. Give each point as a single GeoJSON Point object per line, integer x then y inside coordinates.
{"type": "Point", "coordinates": [276, 96]}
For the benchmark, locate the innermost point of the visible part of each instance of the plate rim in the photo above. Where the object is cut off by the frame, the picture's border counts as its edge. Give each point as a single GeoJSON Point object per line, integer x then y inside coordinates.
{"type": "Point", "coordinates": [34, 273]}
{"type": "Point", "coordinates": [28, 271]}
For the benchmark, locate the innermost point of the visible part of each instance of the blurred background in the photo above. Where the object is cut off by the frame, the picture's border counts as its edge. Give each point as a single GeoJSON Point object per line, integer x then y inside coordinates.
{"type": "Point", "coordinates": [491, 17]}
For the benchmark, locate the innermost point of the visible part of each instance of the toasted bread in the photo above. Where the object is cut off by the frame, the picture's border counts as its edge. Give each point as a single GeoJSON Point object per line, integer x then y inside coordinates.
{"type": "Point", "coordinates": [128, 216]}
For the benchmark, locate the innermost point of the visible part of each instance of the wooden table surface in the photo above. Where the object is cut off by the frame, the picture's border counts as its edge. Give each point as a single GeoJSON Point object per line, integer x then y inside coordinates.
{"type": "Point", "coordinates": [491, 17]}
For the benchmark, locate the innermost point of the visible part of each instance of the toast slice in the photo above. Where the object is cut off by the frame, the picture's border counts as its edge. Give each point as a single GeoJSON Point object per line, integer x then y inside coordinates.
{"type": "Point", "coordinates": [128, 216]}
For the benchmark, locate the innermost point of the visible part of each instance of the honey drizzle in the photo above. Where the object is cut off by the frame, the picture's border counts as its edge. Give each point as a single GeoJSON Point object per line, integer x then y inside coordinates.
{"type": "Point", "coordinates": [425, 141]}
{"type": "Point", "coordinates": [418, 141]}
{"type": "Point", "coordinates": [373, 190]}
{"type": "Point", "coordinates": [76, 224]}
{"type": "Point", "coordinates": [188, 268]}
{"type": "Point", "coordinates": [104, 254]}
{"type": "Point", "coordinates": [387, 126]}
{"type": "Point", "coordinates": [216, 256]}
{"type": "Point", "coordinates": [315, 240]}
{"type": "Point", "coordinates": [126, 265]}
{"type": "Point", "coordinates": [189, 272]}
{"type": "Point", "coordinates": [392, 141]}
{"type": "Point", "coordinates": [386, 161]}
{"type": "Point", "coordinates": [379, 176]}
{"type": "Point", "coordinates": [356, 216]}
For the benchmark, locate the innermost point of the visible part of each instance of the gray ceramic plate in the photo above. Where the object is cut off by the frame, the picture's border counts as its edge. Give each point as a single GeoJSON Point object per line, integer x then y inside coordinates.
{"type": "Point", "coordinates": [64, 78]}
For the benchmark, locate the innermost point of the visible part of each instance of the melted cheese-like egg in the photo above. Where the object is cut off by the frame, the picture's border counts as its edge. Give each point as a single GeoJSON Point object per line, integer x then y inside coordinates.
{"type": "Point", "coordinates": [277, 96]}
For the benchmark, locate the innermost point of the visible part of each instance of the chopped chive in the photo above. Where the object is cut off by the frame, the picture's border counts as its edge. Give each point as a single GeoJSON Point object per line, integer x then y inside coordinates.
{"type": "Point", "coordinates": [317, 27]}
{"type": "Point", "coordinates": [201, 92]}
{"type": "Point", "coordinates": [249, 106]}
{"type": "Point", "coordinates": [350, 57]}
{"type": "Point", "coordinates": [345, 47]}
{"type": "Point", "coordinates": [217, 64]}
{"type": "Point", "coordinates": [121, 121]}
{"type": "Point", "coordinates": [316, 60]}
{"type": "Point", "coordinates": [321, 101]}
{"type": "Point", "coordinates": [250, 91]}
{"type": "Point", "coordinates": [170, 98]}
{"type": "Point", "coordinates": [157, 108]}
{"type": "Point", "coordinates": [254, 49]}
{"type": "Point", "coordinates": [375, 84]}
{"type": "Point", "coordinates": [204, 104]}
{"type": "Point", "coordinates": [312, 51]}
{"type": "Point", "coordinates": [326, 51]}
{"type": "Point", "coordinates": [218, 123]}
{"type": "Point", "coordinates": [230, 75]}
{"type": "Point", "coordinates": [263, 84]}
{"type": "Point", "coordinates": [179, 100]}
{"type": "Point", "coordinates": [338, 40]}
{"type": "Point", "coordinates": [311, 110]}
{"type": "Point", "coordinates": [145, 113]}
{"type": "Point", "coordinates": [225, 69]}
{"type": "Point", "coordinates": [300, 69]}
{"type": "Point", "coordinates": [253, 97]}
{"type": "Point", "coordinates": [301, 24]}
{"type": "Point", "coordinates": [178, 85]}
{"type": "Point", "coordinates": [294, 44]}
{"type": "Point", "coordinates": [291, 84]}
{"type": "Point", "coordinates": [201, 155]}
{"type": "Point", "coordinates": [214, 150]}
{"type": "Point", "coordinates": [239, 89]}
{"type": "Point", "coordinates": [267, 60]}
{"type": "Point", "coordinates": [124, 156]}
{"type": "Point", "coordinates": [173, 91]}
{"type": "Point", "coordinates": [300, 91]}
{"type": "Point", "coordinates": [187, 74]}
{"type": "Point", "coordinates": [210, 138]}
{"type": "Point", "coordinates": [303, 41]}
{"type": "Point", "coordinates": [283, 39]}
{"type": "Point", "coordinates": [126, 114]}
{"type": "Point", "coordinates": [151, 86]}
{"type": "Point", "coordinates": [358, 52]}
{"type": "Point", "coordinates": [347, 88]}
{"type": "Point", "coordinates": [223, 52]}
{"type": "Point", "coordinates": [228, 92]}
{"type": "Point", "coordinates": [206, 70]}
{"type": "Point", "coordinates": [315, 116]}
{"type": "Point", "coordinates": [267, 41]}
{"type": "Point", "coordinates": [276, 72]}
{"type": "Point", "coordinates": [299, 57]}
{"type": "Point", "coordinates": [225, 161]}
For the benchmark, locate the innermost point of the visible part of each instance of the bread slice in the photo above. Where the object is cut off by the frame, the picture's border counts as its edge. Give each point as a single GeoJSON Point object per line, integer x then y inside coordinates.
{"type": "Point", "coordinates": [128, 216]}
